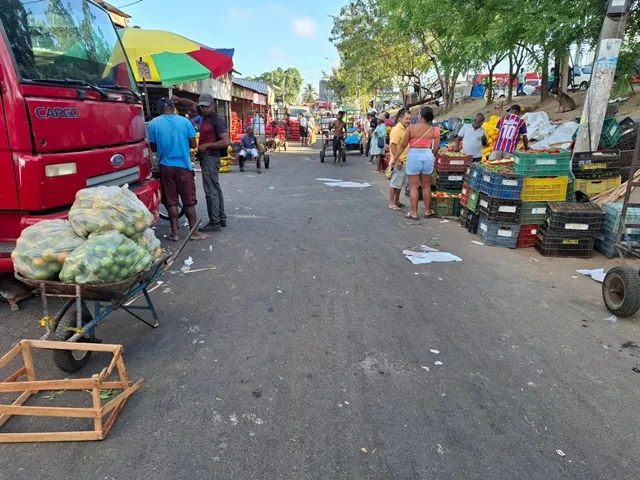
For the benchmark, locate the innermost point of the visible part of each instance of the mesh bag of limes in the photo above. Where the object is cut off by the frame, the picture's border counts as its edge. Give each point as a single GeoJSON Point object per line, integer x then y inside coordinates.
{"type": "Point", "coordinates": [107, 239]}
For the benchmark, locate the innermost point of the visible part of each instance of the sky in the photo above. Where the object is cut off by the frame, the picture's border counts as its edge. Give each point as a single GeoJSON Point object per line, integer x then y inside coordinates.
{"type": "Point", "coordinates": [265, 35]}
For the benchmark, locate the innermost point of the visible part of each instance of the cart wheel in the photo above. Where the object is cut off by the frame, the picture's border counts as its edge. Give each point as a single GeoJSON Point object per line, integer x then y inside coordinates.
{"type": "Point", "coordinates": [343, 154]}
{"type": "Point", "coordinates": [285, 146]}
{"type": "Point", "coordinates": [71, 361]}
{"type": "Point", "coordinates": [267, 159]}
{"type": "Point", "coordinates": [321, 156]}
{"type": "Point", "coordinates": [621, 291]}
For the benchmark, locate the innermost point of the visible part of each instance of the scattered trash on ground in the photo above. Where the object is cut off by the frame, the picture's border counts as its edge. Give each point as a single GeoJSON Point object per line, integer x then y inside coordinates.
{"type": "Point", "coordinates": [348, 184]}
{"type": "Point", "coordinates": [440, 450]}
{"type": "Point", "coordinates": [432, 350]}
{"type": "Point", "coordinates": [328, 180]}
{"type": "Point", "coordinates": [201, 269]}
{"type": "Point", "coordinates": [612, 319]}
{"type": "Point", "coordinates": [271, 187]}
{"type": "Point", "coordinates": [437, 363]}
{"type": "Point", "coordinates": [597, 274]}
{"type": "Point", "coordinates": [560, 452]}
{"type": "Point", "coordinates": [418, 258]}
{"type": "Point", "coordinates": [444, 221]}
{"type": "Point", "coordinates": [428, 249]}
{"type": "Point", "coordinates": [188, 261]}
{"type": "Point", "coordinates": [425, 368]}
{"type": "Point", "coordinates": [363, 450]}
{"type": "Point", "coordinates": [52, 395]}
{"type": "Point", "coordinates": [476, 242]}
{"type": "Point", "coordinates": [166, 290]}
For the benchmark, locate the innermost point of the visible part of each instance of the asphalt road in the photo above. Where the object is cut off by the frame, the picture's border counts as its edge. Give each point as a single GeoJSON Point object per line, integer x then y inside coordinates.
{"type": "Point", "coordinates": [307, 354]}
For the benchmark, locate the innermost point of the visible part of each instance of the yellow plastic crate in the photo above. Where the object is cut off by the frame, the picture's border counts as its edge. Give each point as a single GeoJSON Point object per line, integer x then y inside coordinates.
{"type": "Point", "coordinates": [594, 187]}
{"type": "Point", "coordinates": [552, 189]}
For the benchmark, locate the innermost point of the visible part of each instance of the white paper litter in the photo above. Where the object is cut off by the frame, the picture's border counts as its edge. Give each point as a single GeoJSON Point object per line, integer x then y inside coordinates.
{"type": "Point", "coordinates": [188, 261]}
{"type": "Point", "coordinates": [271, 187]}
{"type": "Point", "coordinates": [597, 274]}
{"type": "Point", "coordinates": [348, 184]}
{"type": "Point", "coordinates": [418, 258]}
{"type": "Point", "coordinates": [476, 242]}
{"type": "Point", "coordinates": [437, 363]}
{"type": "Point", "coordinates": [425, 368]}
{"type": "Point", "coordinates": [612, 319]}
{"type": "Point", "coordinates": [428, 249]}
{"type": "Point", "coordinates": [560, 452]}
{"type": "Point", "coordinates": [444, 221]}
{"type": "Point", "coordinates": [434, 351]}
{"type": "Point", "coordinates": [328, 180]}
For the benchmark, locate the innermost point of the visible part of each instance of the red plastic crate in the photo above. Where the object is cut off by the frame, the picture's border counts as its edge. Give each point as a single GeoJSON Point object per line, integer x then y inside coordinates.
{"type": "Point", "coordinates": [464, 195]}
{"type": "Point", "coordinates": [449, 163]}
{"type": "Point", "coordinates": [527, 236]}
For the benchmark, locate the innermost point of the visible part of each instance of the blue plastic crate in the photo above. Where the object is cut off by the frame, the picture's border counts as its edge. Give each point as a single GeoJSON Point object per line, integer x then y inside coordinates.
{"type": "Point", "coordinates": [500, 185]}
{"type": "Point", "coordinates": [613, 212]}
{"type": "Point", "coordinates": [498, 234]}
{"type": "Point", "coordinates": [474, 176]}
{"type": "Point", "coordinates": [606, 244]}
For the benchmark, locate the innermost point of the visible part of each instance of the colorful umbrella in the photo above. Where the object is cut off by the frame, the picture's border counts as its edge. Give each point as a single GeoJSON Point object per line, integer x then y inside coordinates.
{"type": "Point", "coordinates": [160, 56]}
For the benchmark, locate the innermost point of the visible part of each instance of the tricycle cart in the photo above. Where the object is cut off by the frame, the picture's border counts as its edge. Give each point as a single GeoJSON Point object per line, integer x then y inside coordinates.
{"type": "Point", "coordinates": [621, 285]}
{"type": "Point", "coordinates": [74, 322]}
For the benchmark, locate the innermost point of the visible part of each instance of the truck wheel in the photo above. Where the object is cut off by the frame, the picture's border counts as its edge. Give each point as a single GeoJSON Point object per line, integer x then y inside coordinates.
{"type": "Point", "coordinates": [621, 291]}
{"type": "Point", "coordinates": [164, 214]}
{"type": "Point", "coordinates": [71, 361]}
{"type": "Point", "coordinates": [321, 156]}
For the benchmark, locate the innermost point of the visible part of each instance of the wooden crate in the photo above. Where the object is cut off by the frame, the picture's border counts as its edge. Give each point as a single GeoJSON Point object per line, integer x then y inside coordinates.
{"type": "Point", "coordinates": [32, 386]}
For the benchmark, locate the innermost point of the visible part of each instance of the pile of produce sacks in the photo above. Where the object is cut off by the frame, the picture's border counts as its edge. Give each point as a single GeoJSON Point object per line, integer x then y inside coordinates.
{"type": "Point", "coordinates": [107, 239]}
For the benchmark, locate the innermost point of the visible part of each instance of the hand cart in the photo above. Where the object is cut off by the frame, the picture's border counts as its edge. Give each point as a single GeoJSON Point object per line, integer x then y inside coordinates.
{"type": "Point", "coordinates": [74, 323]}
{"type": "Point", "coordinates": [621, 285]}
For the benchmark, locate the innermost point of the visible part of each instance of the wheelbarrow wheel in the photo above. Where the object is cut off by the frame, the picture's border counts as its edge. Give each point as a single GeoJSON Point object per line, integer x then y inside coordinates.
{"type": "Point", "coordinates": [621, 291]}
{"type": "Point", "coordinates": [71, 361]}
{"type": "Point", "coordinates": [321, 156]}
{"type": "Point", "coordinates": [267, 160]}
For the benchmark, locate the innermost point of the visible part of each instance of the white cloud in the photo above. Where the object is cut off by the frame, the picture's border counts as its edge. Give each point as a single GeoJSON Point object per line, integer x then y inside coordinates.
{"type": "Point", "coordinates": [304, 27]}
{"type": "Point", "coordinates": [277, 52]}
{"type": "Point", "coordinates": [241, 15]}
{"type": "Point", "coordinates": [278, 9]}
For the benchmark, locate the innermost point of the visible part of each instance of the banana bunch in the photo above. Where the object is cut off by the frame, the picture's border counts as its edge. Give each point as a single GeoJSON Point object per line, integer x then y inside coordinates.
{"type": "Point", "coordinates": [225, 165]}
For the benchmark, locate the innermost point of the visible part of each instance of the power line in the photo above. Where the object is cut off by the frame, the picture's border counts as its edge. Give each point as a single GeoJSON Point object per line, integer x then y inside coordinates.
{"type": "Point", "coordinates": [129, 4]}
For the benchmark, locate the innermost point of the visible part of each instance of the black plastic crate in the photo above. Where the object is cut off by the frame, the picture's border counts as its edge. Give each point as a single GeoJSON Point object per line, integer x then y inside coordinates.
{"type": "Point", "coordinates": [472, 222]}
{"type": "Point", "coordinates": [550, 245]}
{"type": "Point", "coordinates": [574, 219]}
{"type": "Point", "coordinates": [628, 138]}
{"type": "Point", "coordinates": [533, 213]}
{"type": "Point", "coordinates": [449, 182]}
{"type": "Point", "coordinates": [598, 164]}
{"type": "Point", "coordinates": [498, 209]}
{"type": "Point", "coordinates": [464, 213]}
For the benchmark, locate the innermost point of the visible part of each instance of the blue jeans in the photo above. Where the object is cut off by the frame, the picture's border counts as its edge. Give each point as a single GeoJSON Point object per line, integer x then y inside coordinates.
{"type": "Point", "coordinates": [420, 161]}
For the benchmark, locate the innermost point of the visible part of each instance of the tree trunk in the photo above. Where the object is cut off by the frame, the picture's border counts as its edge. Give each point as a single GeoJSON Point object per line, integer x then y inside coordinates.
{"type": "Point", "coordinates": [510, 88]}
{"type": "Point", "coordinates": [563, 71]}
{"type": "Point", "coordinates": [544, 93]}
{"type": "Point", "coordinates": [490, 86]}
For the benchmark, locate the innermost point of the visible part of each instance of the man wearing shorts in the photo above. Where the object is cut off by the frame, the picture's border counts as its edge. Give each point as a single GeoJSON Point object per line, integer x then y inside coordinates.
{"type": "Point", "coordinates": [249, 144]}
{"type": "Point", "coordinates": [339, 129]}
{"type": "Point", "coordinates": [304, 131]}
{"type": "Point", "coordinates": [399, 173]}
{"type": "Point", "coordinates": [510, 128]}
{"type": "Point", "coordinates": [171, 136]}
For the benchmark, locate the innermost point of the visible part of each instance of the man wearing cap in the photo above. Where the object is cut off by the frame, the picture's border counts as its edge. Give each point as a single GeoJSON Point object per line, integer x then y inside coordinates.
{"type": "Point", "coordinates": [171, 136]}
{"type": "Point", "coordinates": [213, 137]}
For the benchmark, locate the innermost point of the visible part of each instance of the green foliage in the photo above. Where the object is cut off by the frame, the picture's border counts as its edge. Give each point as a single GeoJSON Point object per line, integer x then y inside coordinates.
{"type": "Point", "coordinates": [309, 94]}
{"type": "Point", "coordinates": [292, 84]}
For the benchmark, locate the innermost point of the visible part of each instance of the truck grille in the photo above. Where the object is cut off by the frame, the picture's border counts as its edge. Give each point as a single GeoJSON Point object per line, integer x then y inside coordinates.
{"type": "Point", "coordinates": [128, 175]}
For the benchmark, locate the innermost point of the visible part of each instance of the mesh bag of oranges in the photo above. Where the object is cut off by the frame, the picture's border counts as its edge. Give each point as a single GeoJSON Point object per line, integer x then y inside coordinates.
{"type": "Point", "coordinates": [100, 209]}
{"type": "Point", "coordinates": [105, 258]}
{"type": "Point", "coordinates": [150, 243]}
{"type": "Point", "coordinates": [43, 248]}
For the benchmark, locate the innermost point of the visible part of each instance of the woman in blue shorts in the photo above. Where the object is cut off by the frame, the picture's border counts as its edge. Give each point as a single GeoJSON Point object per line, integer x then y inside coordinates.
{"type": "Point", "coordinates": [423, 140]}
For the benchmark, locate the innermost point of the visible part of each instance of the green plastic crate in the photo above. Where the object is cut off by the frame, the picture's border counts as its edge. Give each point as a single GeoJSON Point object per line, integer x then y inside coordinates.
{"type": "Point", "coordinates": [611, 133]}
{"type": "Point", "coordinates": [472, 203]}
{"type": "Point", "coordinates": [538, 164]}
{"type": "Point", "coordinates": [443, 207]}
{"type": "Point", "coordinates": [533, 213]}
{"type": "Point", "coordinates": [457, 207]}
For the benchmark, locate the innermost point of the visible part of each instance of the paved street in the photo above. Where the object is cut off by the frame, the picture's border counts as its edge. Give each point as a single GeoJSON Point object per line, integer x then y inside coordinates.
{"type": "Point", "coordinates": [307, 353]}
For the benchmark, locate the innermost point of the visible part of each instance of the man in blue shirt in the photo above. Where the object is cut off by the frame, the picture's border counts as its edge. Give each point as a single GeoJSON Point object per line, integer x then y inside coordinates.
{"type": "Point", "coordinates": [249, 144]}
{"type": "Point", "coordinates": [171, 136]}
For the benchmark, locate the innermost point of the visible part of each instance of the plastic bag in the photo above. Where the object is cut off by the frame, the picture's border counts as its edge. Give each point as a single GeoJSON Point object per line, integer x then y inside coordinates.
{"type": "Point", "coordinates": [150, 243]}
{"type": "Point", "coordinates": [42, 249]}
{"type": "Point", "coordinates": [105, 258]}
{"type": "Point", "coordinates": [101, 209]}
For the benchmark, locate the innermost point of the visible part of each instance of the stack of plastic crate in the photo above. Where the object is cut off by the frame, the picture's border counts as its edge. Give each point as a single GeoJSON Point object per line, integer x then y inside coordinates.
{"type": "Point", "coordinates": [532, 215]}
{"type": "Point", "coordinates": [606, 241]}
{"type": "Point", "coordinates": [569, 230]}
{"type": "Point", "coordinates": [596, 172]}
{"type": "Point", "coordinates": [498, 204]}
{"type": "Point", "coordinates": [448, 179]}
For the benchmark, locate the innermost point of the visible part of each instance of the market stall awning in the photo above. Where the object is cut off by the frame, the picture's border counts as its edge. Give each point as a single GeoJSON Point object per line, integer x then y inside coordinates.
{"type": "Point", "coordinates": [169, 58]}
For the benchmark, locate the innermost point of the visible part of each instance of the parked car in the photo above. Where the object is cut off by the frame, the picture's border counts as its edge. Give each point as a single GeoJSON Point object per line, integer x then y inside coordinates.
{"type": "Point", "coordinates": [580, 78]}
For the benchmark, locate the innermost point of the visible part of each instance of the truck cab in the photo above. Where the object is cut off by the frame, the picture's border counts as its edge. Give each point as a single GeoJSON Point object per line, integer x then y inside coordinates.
{"type": "Point", "coordinates": [71, 116]}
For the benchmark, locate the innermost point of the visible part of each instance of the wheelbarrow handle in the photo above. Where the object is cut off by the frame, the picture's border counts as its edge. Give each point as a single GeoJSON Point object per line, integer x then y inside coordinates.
{"type": "Point", "coordinates": [177, 253]}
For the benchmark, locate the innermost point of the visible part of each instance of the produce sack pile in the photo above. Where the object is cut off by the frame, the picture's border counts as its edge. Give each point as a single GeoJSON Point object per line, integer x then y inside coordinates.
{"type": "Point", "coordinates": [42, 249]}
{"type": "Point", "coordinates": [102, 209]}
{"type": "Point", "coordinates": [150, 243]}
{"type": "Point", "coordinates": [105, 258]}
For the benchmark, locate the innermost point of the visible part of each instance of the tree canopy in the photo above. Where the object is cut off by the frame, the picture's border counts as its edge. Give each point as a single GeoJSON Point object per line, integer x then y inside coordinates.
{"type": "Point", "coordinates": [290, 78]}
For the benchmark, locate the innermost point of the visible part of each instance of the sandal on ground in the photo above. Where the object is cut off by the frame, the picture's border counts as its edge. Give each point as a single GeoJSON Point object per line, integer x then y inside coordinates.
{"type": "Point", "coordinates": [408, 216]}
{"type": "Point", "coordinates": [431, 214]}
{"type": "Point", "coordinates": [395, 209]}
{"type": "Point", "coordinates": [401, 205]}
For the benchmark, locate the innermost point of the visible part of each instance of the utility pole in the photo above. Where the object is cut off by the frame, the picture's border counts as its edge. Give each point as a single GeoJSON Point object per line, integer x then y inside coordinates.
{"type": "Point", "coordinates": [602, 75]}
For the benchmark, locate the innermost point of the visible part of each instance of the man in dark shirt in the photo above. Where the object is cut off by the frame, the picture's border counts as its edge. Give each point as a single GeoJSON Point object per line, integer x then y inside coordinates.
{"type": "Point", "coordinates": [249, 144]}
{"type": "Point", "coordinates": [213, 137]}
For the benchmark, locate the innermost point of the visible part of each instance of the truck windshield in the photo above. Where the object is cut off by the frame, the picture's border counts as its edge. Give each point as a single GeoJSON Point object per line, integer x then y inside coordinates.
{"type": "Point", "coordinates": [65, 39]}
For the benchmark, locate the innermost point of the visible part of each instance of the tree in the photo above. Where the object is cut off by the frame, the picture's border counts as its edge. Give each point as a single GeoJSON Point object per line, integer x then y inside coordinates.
{"type": "Point", "coordinates": [290, 78]}
{"type": "Point", "coordinates": [309, 94]}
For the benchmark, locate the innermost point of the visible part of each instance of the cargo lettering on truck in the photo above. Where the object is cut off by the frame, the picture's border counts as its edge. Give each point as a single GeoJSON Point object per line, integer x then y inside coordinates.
{"type": "Point", "coordinates": [49, 112]}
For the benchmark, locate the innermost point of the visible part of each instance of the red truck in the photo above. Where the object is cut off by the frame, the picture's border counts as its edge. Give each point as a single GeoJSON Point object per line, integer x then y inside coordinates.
{"type": "Point", "coordinates": [70, 114]}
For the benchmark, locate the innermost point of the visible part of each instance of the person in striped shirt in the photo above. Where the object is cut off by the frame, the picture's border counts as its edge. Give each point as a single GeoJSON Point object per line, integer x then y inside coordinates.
{"type": "Point", "coordinates": [511, 127]}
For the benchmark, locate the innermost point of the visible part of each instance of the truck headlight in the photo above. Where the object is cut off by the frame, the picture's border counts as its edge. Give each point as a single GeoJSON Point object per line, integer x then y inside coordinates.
{"type": "Point", "coordinates": [60, 169]}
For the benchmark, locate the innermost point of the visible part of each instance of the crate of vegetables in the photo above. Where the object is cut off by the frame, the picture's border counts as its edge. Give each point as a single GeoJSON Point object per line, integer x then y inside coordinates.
{"type": "Point", "coordinates": [527, 236]}
{"type": "Point", "coordinates": [449, 182]}
{"type": "Point", "coordinates": [442, 204]}
{"type": "Point", "coordinates": [500, 182]}
{"type": "Point", "coordinates": [453, 162]}
{"type": "Point", "coordinates": [499, 209]}
{"type": "Point", "coordinates": [598, 164]}
{"type": "Point", "coordinates": [548, 162]}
